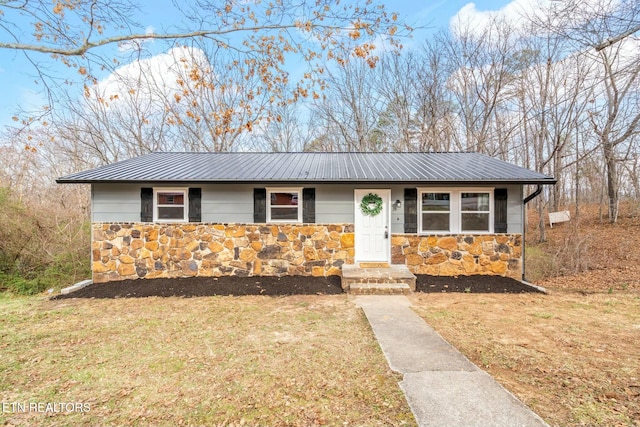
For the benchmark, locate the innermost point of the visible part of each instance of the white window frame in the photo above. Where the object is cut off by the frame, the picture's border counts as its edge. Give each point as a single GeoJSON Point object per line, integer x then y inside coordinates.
{"type": "Point", "coordinates": [284, 190]}
{"type": "Point", "coordinates": [490, 212]}
{"type": "Point", "coordinates": [451, 211]}
{"type": "Point", "coordinates": [183, 190]}
{"type": "Point", "coordinates": [455, 208]}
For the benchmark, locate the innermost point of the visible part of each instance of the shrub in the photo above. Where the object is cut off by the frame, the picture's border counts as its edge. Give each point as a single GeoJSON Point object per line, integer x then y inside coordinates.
{"type": "Point", "coordinates": [566, 255]}
{"type": "Point", "coordinates": [539, 264]}
{"type": "Point", "coordinates": [42, 245]}
{"type": "Point", "coordinates": [19, 285]}
{"type": "Point", "coordinates": [572, 253]}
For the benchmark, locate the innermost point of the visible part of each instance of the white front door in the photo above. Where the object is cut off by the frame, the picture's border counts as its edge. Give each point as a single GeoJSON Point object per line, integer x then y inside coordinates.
{"type": "Point", "coordinates": [372, 234]}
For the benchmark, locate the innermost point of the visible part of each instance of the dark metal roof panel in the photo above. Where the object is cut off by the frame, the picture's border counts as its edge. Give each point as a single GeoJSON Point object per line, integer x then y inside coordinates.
{"type": "Point", "coordinates": [310, 167]}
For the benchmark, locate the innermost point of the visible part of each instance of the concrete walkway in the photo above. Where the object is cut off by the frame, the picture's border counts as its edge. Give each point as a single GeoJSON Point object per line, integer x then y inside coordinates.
{"type": "Point", "coordinates": [442, 386]}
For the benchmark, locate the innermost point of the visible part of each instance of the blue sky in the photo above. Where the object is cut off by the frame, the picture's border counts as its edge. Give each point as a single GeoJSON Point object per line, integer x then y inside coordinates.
{"type": "Point", "coordinates": [18, 76]}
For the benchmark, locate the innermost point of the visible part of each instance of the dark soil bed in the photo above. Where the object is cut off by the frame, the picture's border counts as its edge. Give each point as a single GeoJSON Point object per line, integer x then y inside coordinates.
{"type": "Point", "coordinates": [472, 284]}
{"type": "Point", "coordinates": [281, 286]}
{"type": "Point", "coordinates": [209, 286]}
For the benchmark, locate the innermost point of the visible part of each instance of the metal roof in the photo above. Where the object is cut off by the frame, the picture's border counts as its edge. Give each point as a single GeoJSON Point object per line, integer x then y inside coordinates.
{"type": "Point", "coordinates": [310, 167]}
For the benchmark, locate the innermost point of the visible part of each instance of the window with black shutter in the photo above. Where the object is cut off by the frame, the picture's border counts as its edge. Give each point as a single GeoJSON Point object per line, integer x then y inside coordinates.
{"type": "Point", "coordinates": [259, 205]}
{"type": "Point", "coordinates": [500, 210]}
{"type": "Point", "coordinates": [195, 205]}
{"type": "Point", "coordinates": [410, 210]}
{"type": "Point", "coordinates": [309, 205]}
{"type": "Point", "coordinates": [284, 204]}
{"type": "Point", "coordinates": [164, 204]}
{"type": "Point", "coordinates": [146, 204]}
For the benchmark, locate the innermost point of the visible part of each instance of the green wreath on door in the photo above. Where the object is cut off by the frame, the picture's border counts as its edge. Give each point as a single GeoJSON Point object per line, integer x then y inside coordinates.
{"type": "Point", "coordinates": [371, 204]}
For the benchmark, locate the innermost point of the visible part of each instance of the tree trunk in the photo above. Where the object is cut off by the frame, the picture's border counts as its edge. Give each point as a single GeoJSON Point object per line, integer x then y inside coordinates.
{"type": "Point", "coordinates": [541, 225]}
{"type": "Point", "coordinates": [612, 181]}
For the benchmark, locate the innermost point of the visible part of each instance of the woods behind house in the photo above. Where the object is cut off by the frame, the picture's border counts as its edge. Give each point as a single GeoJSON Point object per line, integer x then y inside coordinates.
{"type": "Point", "coordinates": [557, 92]}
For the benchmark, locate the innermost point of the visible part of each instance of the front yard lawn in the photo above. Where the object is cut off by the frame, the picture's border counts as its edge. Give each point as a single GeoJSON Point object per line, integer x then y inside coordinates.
{"type": "Point", "coordinates": [571, 356]}
{"type": "Point", "coordinates": [255, 360]}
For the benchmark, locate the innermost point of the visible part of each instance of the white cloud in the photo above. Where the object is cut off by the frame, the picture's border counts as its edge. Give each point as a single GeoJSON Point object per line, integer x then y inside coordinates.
{"type": "Point", "coordinates": [517, 13]}
{"type": "Point", "coordinates": [152, 77]}
{"type": "Point", "coordinates": [477, 21]}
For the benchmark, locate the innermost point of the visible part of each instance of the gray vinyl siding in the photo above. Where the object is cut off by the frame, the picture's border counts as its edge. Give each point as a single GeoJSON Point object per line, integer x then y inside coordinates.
{"type": "Point", "coordinates": [220, 203]}
{"type": "Point", "coordinates": [334, 204]}
{"type": "Point", "coordinates": [116, 202]}
{"type": "Point", "coordinates": [397, 214]}
{"type": "Point", "coordinates": [233, 203]}
{"type": "Point", "coordinates": [227, 203]}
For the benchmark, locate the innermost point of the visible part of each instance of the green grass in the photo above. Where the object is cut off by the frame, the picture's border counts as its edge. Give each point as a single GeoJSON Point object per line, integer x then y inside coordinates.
{"type": "Point", "coordinates": [539, 264]}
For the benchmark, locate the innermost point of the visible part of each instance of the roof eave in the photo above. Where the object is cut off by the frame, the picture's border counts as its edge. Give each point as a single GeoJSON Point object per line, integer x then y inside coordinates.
{"type": "Point", "coordinates": [543, 181]}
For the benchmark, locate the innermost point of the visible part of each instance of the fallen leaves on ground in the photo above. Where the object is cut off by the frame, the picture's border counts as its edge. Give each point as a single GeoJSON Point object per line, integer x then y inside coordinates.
{"type": "Point", "coordinates": [254, 360]}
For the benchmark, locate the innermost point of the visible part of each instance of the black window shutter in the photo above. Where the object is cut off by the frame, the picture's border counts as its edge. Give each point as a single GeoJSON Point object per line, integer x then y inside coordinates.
{"type": "Point", "coordinates": [410, 210]}
{"type": "Point", "coordinates": [195, 203]}
{"type": "Point", "coordinates": [500, 210]}
{"type": "Point", "coordinates": [146, 204]}
{"type": "Point", "coordinates": [259, 205]}
{"type": "Point", "coordinates": [309, 205]}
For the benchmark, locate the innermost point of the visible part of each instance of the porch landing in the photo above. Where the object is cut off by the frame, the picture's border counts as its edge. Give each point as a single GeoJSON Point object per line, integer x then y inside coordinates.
{"type": "Point", "coordinates": [392, 279]}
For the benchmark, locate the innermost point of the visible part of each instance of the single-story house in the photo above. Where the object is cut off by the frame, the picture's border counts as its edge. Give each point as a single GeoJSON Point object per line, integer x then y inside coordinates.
{"type": "Point", "coordinates": [212, 214]}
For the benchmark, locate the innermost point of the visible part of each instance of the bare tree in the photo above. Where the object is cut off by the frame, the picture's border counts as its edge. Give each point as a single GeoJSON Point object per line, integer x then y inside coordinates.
{"type": "Point", "coordinates": [217, 99]}
{"type": "Point", "coordinates": [284, 132]}
{"type": "Point", "coordinates": [479, 74]}
{"type": "Point", "coordinates": [394, 83]}
{"type": "Point", "coordinates": [633, 171]}
{"type": "Point", "coordinates": [263, 35]}
{"type": "Point", "coordinates": [553, 96]}
{"type": "Point", "coordinates": [43, 224]}
{"type": "Point", "coordinates": [617, 118]}
{"type": "Point", "coordinates": [349, 107]}
{"type": "Point", "coordinates": [603, 32]}
{"type": "Point", "coordinates": [435, 120]}
{"type": "Point", "coordinates": [121, 118]}
{"type": "Point", "coordinates": [180, 100]}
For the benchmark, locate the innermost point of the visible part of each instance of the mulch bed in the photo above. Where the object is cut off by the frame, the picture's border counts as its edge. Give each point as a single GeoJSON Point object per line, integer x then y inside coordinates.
{"type": "Point", "coordinates": [472, 284]}
{"type": "Point", "coordinates": [280, 286]}
{"type": "Point", "coordinates": [210, 286]}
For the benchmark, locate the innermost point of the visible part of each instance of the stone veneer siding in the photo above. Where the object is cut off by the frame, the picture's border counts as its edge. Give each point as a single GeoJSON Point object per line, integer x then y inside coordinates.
{"type": "Point", "coordinates": [142, 250]}
{"type": "Point", "coordinates": [458, 255]}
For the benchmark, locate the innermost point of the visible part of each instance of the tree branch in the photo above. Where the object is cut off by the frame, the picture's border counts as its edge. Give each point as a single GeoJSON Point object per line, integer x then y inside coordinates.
{"type": "Point", "coordinates": [88, 45]}
{"type": "Point", "coordinates": [616, 39]}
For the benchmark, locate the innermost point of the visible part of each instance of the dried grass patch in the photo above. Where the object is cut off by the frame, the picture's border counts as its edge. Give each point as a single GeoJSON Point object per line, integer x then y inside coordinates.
{"type": "Point", "coordinates": [298, 360]}
{"type": "Point", "coordinates": [573, 357]}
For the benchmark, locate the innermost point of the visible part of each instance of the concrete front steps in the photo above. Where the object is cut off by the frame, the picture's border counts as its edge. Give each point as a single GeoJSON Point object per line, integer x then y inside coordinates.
{"type": "Point", "coordinates": [379, 280]}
